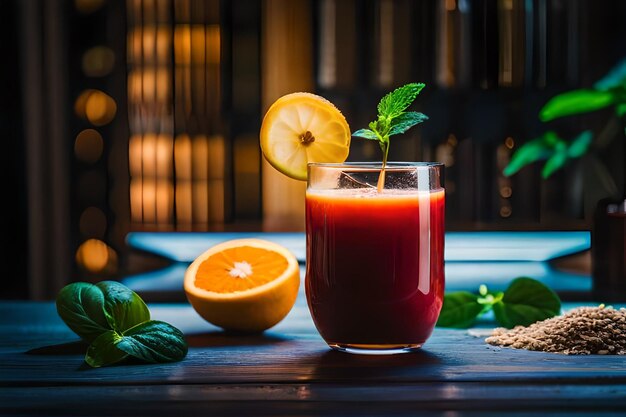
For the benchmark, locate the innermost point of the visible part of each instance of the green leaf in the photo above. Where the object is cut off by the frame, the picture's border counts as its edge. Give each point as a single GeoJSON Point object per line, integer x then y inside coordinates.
{"type": "Point", "coordinates": [616, 77]}
{"type": "Point", "coordinates": [81, 306]}
{"type": "Point", "coordinates": [526, 301]}
{"type": "Point", "coordinates": [620, 109]}
{"type": "Point", "coordinates": [405, 121]}
{"type": "Point", "coordinates": [528, 153]}
{"type": "Point", "coordinates": [103, 350]}
{"type": "Point", "coordinates": [394, 103]}
{"type": "Point", "coordinates": [579, 146]}
{"type": "Point", "coordinates": [154, 341]}
{"type": "Point", "coordinates": [576, 102]}
{"type": "Point", "coordinates": [123, 307]}
{"type": "Point", "coordinates": [459, 310]}
{"type": "Point", "coordinates": [365, 133]}
{"type": "Point", "coordinates": [489, 299]}
{"type": "Point", "coordinates": [554, 163]}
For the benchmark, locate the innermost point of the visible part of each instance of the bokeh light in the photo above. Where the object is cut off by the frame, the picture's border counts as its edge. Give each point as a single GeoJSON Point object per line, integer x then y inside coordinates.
{"type": "Point", "coordinates": [95, 106]}
{"type": "Point", "coordinates": [98, 61]}
{"type": "Point", "coordinates": [81, 102]}
{"type": "Point", "coordinates": [88, 146]}
{"type": "Point", "coordinates": [96, 256]}
{"type": "Point", "coordinates": [100, 108]}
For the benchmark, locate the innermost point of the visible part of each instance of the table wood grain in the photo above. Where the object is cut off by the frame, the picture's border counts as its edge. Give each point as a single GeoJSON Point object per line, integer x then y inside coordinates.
{"type": "Point", "coordinates": [290, 371]}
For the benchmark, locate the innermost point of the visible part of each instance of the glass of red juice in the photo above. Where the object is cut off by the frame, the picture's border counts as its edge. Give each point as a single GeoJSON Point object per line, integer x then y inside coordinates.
{"type": "Point", "coordinates": [374, 261]}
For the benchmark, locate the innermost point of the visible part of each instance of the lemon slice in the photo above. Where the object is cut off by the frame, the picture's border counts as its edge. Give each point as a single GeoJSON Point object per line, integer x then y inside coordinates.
{"type": "Point", "coordinates": [300, 128]}
{"type": "Point", "coordinates": [243, 284]}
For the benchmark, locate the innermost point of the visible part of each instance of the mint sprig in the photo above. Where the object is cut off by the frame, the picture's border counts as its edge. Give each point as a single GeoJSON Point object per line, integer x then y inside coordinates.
{"type": "Point", "coordinates": [524, 302]}
{"type": "Point", "coordinates": [392, 120]}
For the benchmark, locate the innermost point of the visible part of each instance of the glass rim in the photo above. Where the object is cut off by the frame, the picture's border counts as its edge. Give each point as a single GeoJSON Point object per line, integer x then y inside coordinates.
{"type": "Point", "coordinates": [377, 165]}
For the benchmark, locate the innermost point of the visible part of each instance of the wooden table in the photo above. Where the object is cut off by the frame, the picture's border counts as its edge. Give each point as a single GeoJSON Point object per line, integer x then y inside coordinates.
{"type": "Point", "coordinates": [290, 371]}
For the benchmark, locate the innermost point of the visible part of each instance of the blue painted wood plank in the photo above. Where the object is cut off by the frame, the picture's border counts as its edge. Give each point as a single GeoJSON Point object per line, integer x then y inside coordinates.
{"type": "Point", "coordinates": [460, 276]}
{"type": "Point", "coordinates": [460, 246]}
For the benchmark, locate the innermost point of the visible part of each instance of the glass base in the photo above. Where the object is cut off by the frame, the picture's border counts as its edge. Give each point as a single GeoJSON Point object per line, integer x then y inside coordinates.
{"type": "Point", "coordinates": [363, 349]}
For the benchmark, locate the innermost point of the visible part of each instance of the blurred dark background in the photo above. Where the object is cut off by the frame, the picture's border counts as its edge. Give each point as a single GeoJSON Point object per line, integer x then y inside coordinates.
{"type": "Point", "coordinates": [144, 115]}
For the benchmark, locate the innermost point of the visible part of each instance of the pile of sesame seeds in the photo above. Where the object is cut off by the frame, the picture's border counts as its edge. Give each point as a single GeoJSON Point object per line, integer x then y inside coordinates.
{"type": "Point", "coordinates": [585, 330]}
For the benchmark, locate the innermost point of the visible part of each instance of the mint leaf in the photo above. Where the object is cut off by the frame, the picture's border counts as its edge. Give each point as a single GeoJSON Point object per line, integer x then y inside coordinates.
{"type": "Point", "coordinates": [122, 306]}
{"type": "Point", "coordinates": [154, 341]}
{"type": "Point", "coordinates": [526, 301]}
{"type": "Point", "coordinates": [366, 134]}
{"type": "Point", "coordinates": [103, 350]}
{"type": "Point", "coordinates": [460, 310]}
{"type": "Point", "coordinates": [81, 306]}
{"type": "Point", "coordinates": [394, 103]}
{"type": "Point", "coordinates": [392, 120]}
{"type": "Point", "coordinates": [405, 121]}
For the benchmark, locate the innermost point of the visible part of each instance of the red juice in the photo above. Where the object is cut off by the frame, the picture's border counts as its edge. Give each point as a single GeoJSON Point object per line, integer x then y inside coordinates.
{"type": "Point", "coordinates": [375, 269]}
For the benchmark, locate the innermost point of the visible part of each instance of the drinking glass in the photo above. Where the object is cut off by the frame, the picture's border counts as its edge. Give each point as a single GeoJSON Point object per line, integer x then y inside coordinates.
{"type": "Point", "coordinates": [374, 261]}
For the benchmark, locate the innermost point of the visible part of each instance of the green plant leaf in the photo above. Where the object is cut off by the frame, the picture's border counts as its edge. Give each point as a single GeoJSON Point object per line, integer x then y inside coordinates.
{"type": "Point", "coordinates": [154, 341]}
{"type": "Point", "coordinates": [405, 121]}
{"type": "Point", "coordinates": [620, 109]}
{"type": "Point", "coordinates": [554, 163]}
{"type": "Point", "coordinates": [616, 77]}
{"type": "Point", "coordinates": [103, 350]}
{"type": "Point", "coordinates": [123, 307]}
{"type": "Point", "coordinates": [532, 151]}
{"type": "Point", "coordinates": [460, 310]}
{"type": "Point", "coordinates": [576, 102]}
{"type": "Point", "coordinates": [489, 299]}
{"type": "Point", "coordinates": [526, 301]}
{"type": "Point", "coordinates": [394, 103]}
{"type": "Point", "coordinates": [81, 306]}
{"type": "Point", "coordinates": [366, 134]}
{"type": "Point", "coordinates": [579, 146]}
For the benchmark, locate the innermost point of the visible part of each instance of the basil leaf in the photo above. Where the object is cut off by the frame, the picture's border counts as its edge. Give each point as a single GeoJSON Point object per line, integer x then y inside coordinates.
{"type": "Point", "coordinates": [525, 302]}
{"type": "Point", "coordinates": [459, 310]}
{"type": "Point", "coordinates": [81, 306]}
{"type": "Point", "coordinates": [405, 121]}
{"type": "Point", "coordinates": [365, 133]}
{"type": "Point", "coordinates": [154, 341]}
{"type": "Point", "coordinates": [576, 102]}
{"type": "Point", "coordinates": [123, 307]}
{"type": "Point", "coordinates": [103, 350]}
{"type": "Point", "coordinates": [394, 103]}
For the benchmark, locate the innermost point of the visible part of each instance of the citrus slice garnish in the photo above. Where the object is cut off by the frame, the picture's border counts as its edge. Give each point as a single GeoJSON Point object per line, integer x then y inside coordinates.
{"type": "Point", "coordinates": [300, 128]}
{"type": "Point", "coordinates": [243, 284]}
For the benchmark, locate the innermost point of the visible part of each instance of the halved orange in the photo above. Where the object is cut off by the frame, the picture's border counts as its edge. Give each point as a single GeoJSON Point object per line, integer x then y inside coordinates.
{"type": "Point", "coordinates": [300, 128]}
{"type": "Point", "coordinates": [243, 284]}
